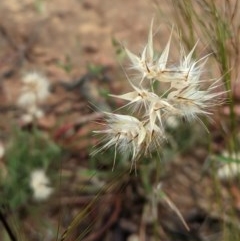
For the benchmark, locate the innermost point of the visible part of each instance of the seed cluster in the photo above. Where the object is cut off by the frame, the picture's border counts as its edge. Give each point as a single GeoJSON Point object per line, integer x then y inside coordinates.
{"type": "Point", "coordinates": [185, 98]}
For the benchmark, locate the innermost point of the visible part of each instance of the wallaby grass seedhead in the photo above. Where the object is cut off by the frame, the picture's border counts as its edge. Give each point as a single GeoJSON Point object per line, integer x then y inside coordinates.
{"type": "Point", "coordinates": [188, 96]}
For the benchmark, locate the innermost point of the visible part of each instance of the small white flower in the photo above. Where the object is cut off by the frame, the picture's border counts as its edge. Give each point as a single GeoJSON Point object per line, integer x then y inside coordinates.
{"type": "Point", "coordinates": [35, 90]}
{"type": "Point", "coordinates": [33, 113]}
{"type": "Point", "coordinates": [133, 237]}
{"type": "Point", "coordinates": [39, 184]}
{"type": "Point", "coordinates": [231, 169]}
{"type": "Point", "coordinates": [36, 83]}
{"type": "Point", "coordinates": [172, 122]}
{"type": "Point", "coordinates": [26, 119]}
{"type": "Point", "coordinates": [26, 100]}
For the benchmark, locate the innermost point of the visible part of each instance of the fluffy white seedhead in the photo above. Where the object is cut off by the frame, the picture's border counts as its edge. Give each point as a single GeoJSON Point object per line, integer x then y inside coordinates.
{"type": "Point", "coordinates": [138, 99]}
{"type": "Point", "coordinates": [39, 184]}
{"type": "Point", "coordinates": [189, 70]}
{"type": "Point", "coordinates": [126, 133]}
{"type": "Point", "coordinates": [142, 64]}
{"type": "Point", "coordinates": [151, 67]}
{"type": "Point", "coordinates": [192, 101]}
{"type": "Point", "coordinates": [158, 110]}
{"type": "Point", "coordinates": [146, 63]}
{"type": "Point", "coordinates": [129, 136]}
{"type": "Point", "coordinates": [187, 97]}
{"type": "Point", "coordinates": [154, 139]}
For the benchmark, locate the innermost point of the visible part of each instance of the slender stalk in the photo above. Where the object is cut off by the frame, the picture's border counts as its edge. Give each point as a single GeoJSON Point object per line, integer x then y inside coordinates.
{"type": "Point", "coordinates": [224, 61]}
{"type": "Point", "coordinates": [7, 227]}
{"type": "Point", "coordinates": [216, 25]}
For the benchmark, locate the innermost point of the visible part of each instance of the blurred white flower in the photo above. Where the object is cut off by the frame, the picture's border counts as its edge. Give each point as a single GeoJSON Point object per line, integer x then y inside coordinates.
{"type": "Point", "coordinates": [36, 83]}
{"type": "Point", "coordinates": [27, 99]}
{"type": "Point", "coordinates": [33, 113]}
{"type": "Point", "coordinates": [172, 122]}
{"type": "Point", "coordinates": [26, 119]}
{"type": "Point", "coordinates": [39, 184]}
{"type": "Point", "coordinates": [133, 237]}
{"type": "Point", "coordinates": [35, 89]}
{"type": "Point", "coordinates": [231, 169]}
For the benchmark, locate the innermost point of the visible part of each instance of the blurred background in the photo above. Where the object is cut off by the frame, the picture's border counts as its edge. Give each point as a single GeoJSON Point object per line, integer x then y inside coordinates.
{"type": "Point", "coordinates": [51, 188]}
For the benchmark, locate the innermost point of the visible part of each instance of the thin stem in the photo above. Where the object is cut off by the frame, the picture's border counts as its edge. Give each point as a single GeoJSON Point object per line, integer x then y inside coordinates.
{"type": "Point", "coordinates": [7, 227]}
{"type": "Point", "coordinates": [224, 61]}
